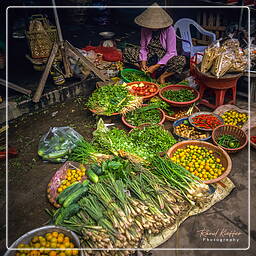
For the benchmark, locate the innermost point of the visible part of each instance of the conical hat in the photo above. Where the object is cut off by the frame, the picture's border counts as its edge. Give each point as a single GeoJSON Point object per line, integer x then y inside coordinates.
{"type": "Point", "coordinates": [154, 18]}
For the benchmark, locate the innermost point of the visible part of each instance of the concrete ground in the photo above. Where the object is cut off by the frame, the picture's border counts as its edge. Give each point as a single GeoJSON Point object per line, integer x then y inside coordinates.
{"type": "Point", "coordinates": [29, 176]}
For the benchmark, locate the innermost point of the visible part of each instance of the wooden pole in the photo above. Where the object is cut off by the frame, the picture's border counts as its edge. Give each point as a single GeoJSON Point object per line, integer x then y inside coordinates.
{"type": "Point", "coordinates": [89, 65]}
{"type": "Point", "coordinates": [44, 77]}
{"type": "Point", "coordinates": [15, 87]}
{"type": "Point", "coordinates": [68, 72]}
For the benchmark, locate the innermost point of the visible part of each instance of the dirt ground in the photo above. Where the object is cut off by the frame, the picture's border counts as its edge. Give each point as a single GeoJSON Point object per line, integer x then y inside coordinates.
{"type": "Point", "coordinates": [28, 177]}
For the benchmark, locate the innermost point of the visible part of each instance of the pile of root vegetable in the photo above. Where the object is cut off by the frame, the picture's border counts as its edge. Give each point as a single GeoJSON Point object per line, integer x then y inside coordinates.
{"type": "Point", "coordinates": [131, 203]}
{"type": "Point", "coordinates": [129, 195]}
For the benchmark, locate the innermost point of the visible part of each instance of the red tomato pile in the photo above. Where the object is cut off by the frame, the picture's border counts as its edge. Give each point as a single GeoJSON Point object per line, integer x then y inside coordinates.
{"type": "Point", "coordinates": [143, 89]}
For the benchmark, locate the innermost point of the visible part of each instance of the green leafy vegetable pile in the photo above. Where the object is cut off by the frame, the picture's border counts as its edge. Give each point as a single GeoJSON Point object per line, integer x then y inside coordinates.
{"type": "Point", "coordinates": [111, 99]}
{"type": "Point", "coordinates": [116, 141]}
{"type": "Point", "coordinates": [144, 115]}
{"type": "Point", "coordinates": [159, 103]}
{"type": "Point", "coordinates": [135, 76]}
{"type": "Point", "coordinates": [154, 138]}
{"type": "Point", "coordinates": [182, 95]}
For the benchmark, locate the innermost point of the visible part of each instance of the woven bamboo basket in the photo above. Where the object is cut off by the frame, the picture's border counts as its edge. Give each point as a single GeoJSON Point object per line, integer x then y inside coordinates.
{"type": "Point", "coordinates": [41, 37]}
{"type": "Point", "coordinates": [218, 152]}
{"type": "Point", "coordinates": [230, 130]}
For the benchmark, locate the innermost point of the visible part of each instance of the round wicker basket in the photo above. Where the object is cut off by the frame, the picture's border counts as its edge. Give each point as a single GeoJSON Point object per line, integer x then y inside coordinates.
{"type": "Point", "coordinates": [230, 130]}
{"type": "Point", "coordinates": [225, 159]}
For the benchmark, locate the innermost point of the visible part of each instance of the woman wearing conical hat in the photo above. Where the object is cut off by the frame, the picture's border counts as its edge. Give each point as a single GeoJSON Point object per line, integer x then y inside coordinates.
{"type": "Point", "coordinates": [157, 45]}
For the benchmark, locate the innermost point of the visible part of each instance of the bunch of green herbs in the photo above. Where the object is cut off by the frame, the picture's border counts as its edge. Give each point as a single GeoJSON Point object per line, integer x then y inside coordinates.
{"type": "Point", "coordinates": [154, 138]}
{"type": "Point", "coordinates": [182, 95]}
{"type": "Point", "coordinates": [109, 99]}
{"type": "Point", "coordinates": [144, 115]}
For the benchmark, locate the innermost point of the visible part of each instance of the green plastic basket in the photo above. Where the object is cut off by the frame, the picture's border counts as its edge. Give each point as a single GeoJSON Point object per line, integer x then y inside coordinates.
{"type": "Point", "coordinates": [126, 70]}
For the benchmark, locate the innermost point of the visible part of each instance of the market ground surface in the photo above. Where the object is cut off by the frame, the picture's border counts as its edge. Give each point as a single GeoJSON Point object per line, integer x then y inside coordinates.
{"type": "Point", "coordinates": [29, 176]}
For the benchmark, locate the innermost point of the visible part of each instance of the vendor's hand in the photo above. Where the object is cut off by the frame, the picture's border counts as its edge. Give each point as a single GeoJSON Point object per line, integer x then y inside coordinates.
{"type": "Point", "coordinates": [153, 68]}
{"type": "Point", "coordinates": [143, 66]}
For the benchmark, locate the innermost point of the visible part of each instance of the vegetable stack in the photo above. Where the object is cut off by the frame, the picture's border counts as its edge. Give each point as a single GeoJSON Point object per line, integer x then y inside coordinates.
{"type": "Point", "coordinates": [110, 99]}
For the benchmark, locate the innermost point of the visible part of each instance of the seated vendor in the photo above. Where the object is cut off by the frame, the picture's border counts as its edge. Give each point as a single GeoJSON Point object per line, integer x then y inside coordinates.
{"type": "Point", "coordinates": [158, 44]}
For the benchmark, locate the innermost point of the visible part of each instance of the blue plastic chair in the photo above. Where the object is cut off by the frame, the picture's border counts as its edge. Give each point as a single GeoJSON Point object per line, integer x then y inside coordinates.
{"type": "Point", "coordinates": [183, 25]}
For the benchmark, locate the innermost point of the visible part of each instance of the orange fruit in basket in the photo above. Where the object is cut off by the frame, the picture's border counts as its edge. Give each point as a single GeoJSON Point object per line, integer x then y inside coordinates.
{"type": "Point", "coordinates": [55, 234]}
{"type": "Point", "coordinates": [52, 253]}
{"type": "Point", "coordinates": [60, 239]}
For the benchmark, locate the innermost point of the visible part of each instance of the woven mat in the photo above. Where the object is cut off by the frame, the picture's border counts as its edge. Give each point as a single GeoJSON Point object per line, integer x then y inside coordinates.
{"type": "Point", "coordinates": [220, 193]}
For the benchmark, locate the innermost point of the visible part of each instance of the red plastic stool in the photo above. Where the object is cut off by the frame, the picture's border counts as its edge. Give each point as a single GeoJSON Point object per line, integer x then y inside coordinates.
{"type": "Point", "coordinates": [219, 86]}
{"type": "Point", "coordinates": [219, 96]}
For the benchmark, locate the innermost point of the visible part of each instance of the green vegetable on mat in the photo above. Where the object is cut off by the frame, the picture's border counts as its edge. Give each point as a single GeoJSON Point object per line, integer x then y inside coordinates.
{"type": "Point", "coordinates": [144, 115]}
{"type": "Point", "coordinates": [97, 169]}
{"type": "Point", "coordinates": [182, 95]}
{"type": "Point", "coordinates": [92, 176]}
{"type": "Point", "coordinates": [154, 138]}
{"type": "Point", "coordinates": [85, 152]}
{"type": "Point", "coordinates": [228, 141]}
{"type": "Point", "coordinates": [68, 191]}
{"type": "Point", "coordinates": [75, 196]}
{"type": "Point", "coordinates": [66, 213]}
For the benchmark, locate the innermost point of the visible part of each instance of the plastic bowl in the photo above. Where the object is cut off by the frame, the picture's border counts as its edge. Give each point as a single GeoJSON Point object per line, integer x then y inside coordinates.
{"type": "Point", "coordinates": [132, 126]}
{"type": "Point", "coordinates": [42, 231]}
{"type": "Point", "coordinates": [130, 70]}
{"type": "Point", "coordinates": [146, 83]}
{"type": "Point", "coordinates": [176, 87]}
{"type": "Point", "coordinates": [181, 121]}
{"type": "Point", "coordinates": [218, 152]}
{"type": "Point", "coordinates": [230, 130]}
{"type": "Point", "coordinates": [190, 119]}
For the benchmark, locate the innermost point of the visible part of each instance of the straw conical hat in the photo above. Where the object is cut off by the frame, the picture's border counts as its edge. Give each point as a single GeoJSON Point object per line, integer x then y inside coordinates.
{"type": "Point", "coordinates": [154, 18]}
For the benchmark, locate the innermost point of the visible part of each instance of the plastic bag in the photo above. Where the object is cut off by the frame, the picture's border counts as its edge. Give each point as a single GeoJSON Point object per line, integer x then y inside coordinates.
{"type": "Point", "coordinates": [57, 144]}
{"type": "Point", "coordinates": [223, 63]}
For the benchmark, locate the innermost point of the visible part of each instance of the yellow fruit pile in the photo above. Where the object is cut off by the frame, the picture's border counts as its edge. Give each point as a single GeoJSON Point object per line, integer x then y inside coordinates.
{"type": "Point", "coordinates": [44, 245]}
{"type": "Point", "coordinates": [200, 161]}
{"type": "Point", "coordinates": [234, 118]}
{"type": "Point", "coordinates": [72, 175]}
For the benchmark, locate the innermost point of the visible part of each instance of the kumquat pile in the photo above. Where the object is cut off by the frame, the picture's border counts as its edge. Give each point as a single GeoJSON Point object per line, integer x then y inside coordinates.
{"type": "Point", "coordinates": [200, 161]}
{"type": "Point", "coordinates": [72, 176]}
{"type": "Point", "coordinates": [48, 245]}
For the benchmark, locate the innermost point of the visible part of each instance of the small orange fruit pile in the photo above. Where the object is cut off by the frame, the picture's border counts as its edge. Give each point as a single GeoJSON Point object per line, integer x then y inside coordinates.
{"type": "Point", "coordinates": [51, 244]}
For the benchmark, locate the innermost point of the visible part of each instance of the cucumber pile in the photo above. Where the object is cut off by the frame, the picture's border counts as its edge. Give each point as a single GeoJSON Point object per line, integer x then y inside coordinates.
{"type": "Point", "coordinates": [69, 198]}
